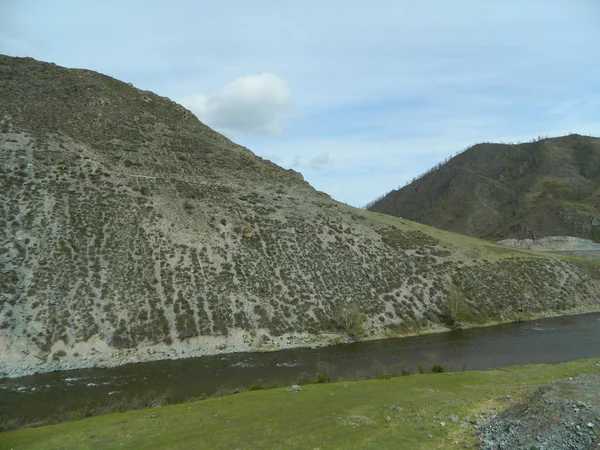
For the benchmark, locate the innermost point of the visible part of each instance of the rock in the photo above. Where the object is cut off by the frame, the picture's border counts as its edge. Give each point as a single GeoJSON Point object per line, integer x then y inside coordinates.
{"type": "Point", "coordinates": [388, 419]}
{"type": "Point", "coordinates": [294, 389]}
{"type": "Point", "coordinates": [357, 420]}
{"type": "Point", "coordinates": [42, 354]}
{"type": "Point", "coordinates": [443, 424]}
{"type": "Point", "coordinates": [248, 233]}
{"type": "Point", "coordinates": [591, 425]}
{"type": "Point", "coordinates": [454, 418]}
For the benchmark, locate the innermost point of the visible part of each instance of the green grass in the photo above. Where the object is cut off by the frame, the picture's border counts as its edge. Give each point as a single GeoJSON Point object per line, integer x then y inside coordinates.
{"type": "Point", "coordinates": [469, 246]}
{"type": "Point", "coordinates": [334, 415]}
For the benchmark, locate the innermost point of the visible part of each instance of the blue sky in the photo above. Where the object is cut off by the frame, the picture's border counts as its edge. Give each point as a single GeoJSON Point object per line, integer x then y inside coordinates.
{"type": "Point", "coordinates": [358, 96]}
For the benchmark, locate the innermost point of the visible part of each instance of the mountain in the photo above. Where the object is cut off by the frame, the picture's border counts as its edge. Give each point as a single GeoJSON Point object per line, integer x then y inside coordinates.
{"type": "Point", "coordinates": [498, 191]}
{"type": "Point", "coordinates": [130, 231]}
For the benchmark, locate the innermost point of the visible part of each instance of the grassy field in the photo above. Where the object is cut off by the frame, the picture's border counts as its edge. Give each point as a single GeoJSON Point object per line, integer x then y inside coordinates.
{"type": "Point", "coordinates": [403, 412]}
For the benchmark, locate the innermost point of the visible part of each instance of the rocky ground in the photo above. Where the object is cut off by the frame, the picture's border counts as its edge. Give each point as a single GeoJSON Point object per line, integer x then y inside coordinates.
{"type": "Point", "coordinates": [553, 243]}
{"type": "Point", "coordinates": [563, 245]}
{"type": "Point", "coordinates": [561, 415]}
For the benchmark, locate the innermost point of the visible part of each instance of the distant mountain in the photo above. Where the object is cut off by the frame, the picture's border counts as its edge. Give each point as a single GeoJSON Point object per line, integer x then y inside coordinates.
{"type": "Point", "coordinates": [498, 191]}
{"type": "Point", "coordinates": [131, 231]}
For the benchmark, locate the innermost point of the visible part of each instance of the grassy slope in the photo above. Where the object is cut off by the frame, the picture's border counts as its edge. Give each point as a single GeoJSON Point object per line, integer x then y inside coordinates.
{"type": "Point", "coordinates": [337, 415]}
{"type": "Point", "coordinates": [465, 246]}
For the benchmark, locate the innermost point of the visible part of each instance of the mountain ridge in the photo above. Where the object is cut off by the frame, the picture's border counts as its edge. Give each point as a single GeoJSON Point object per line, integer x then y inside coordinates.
{"type": "Point", "coordinates": [550, 187]}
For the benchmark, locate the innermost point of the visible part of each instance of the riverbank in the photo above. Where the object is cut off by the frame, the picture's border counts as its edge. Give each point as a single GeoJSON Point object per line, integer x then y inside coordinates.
{"type": "Point", "coordinates": [96, 353]}
{"type": "Point", "coordinates": [420, 411]}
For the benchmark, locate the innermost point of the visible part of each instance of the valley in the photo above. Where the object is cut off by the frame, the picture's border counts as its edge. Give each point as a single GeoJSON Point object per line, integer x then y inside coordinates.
{"type": "Point", "coordinates": [146, 258]}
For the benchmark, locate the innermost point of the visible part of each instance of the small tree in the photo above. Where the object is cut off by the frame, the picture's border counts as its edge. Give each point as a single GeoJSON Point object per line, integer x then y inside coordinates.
{"type": "Point", "coordinates": [455, 309]}
{"type": "Point", "coordinates": [348, 317]}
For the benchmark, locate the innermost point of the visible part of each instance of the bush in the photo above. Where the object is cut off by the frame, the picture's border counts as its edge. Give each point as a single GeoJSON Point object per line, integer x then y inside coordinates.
{"type": "Point", "coordinates": [437, 369]}
{"type": "Point", "coordinates": [323, 378]}
{"type": "Point", "coordinates": [383, 375]}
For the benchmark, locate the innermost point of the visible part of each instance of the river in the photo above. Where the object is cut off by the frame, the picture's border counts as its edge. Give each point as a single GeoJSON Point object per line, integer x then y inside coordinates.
{"type": "Point", "coordinates": [550, 341]}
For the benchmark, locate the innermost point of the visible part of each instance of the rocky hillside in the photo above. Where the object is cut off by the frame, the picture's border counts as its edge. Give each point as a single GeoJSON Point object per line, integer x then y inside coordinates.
{"type": "Point", "coordinates": [130, 231]}
{"type": "Point", "coordinates": [495, 191]}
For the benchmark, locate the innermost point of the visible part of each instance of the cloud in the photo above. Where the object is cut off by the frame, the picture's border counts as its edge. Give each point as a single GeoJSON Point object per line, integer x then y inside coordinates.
{"type": "Point", "coordinates": [255, 104]}
{"type": "Point", "coordinates": [319, 163]}
{"type": "Point", "coordinates": [315, 164]}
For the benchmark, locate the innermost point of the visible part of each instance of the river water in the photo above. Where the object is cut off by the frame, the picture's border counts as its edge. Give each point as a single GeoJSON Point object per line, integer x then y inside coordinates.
{"type": "Point", "coordinates": [551, 340]}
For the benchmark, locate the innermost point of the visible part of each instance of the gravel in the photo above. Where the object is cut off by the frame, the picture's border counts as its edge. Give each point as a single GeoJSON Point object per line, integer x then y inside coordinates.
{"type": "Point", "coordinates": [561, 415]}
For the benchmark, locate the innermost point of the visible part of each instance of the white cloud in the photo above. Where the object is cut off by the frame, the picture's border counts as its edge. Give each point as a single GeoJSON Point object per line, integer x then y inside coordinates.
{"type": "Point", "coordinates": [319, 163]}
{"type": "Point", "coordinates": [314, 164]}
{"type": "Point", "coordinates": [254, 104]}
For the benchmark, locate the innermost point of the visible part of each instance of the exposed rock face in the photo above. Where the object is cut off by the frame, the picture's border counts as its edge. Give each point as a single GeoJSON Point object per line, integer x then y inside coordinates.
{"type": "Point", "coordinates": [498, 191]}
{"type": "Point", "coordinates": [131, 231]}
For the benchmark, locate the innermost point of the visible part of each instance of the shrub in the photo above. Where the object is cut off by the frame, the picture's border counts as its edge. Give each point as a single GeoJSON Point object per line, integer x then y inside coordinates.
{"type": "Point", "coordinates": [383, 375]}
{"type": "Point", "coordinates": [323, 378]}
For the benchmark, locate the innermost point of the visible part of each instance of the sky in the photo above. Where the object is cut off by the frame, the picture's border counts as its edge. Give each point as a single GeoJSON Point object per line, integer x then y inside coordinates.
{"type": "Point", "coordinates": [358, 96]}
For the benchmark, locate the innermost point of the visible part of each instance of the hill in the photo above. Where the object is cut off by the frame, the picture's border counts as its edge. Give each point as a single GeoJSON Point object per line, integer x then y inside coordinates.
{"type": "Point", "coordinates": [497, 191]}
{"type": "Point", "coordinates": [130, 231]}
